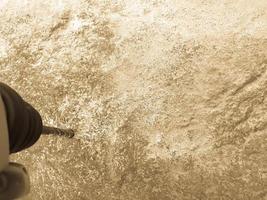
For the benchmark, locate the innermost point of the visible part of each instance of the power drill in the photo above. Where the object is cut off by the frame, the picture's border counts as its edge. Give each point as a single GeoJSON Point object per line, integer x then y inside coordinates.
{"type": "Point", "coordinates": [20, 127]}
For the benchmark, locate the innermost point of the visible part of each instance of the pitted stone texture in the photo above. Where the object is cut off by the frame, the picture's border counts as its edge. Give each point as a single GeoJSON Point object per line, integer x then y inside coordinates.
{"type": "Point", "coordinates": [167, 97]}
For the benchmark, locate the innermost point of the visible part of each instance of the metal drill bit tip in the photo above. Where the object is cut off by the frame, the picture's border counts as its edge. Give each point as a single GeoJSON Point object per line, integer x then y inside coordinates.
{"type": "Point", "coordinates": [47, 130]}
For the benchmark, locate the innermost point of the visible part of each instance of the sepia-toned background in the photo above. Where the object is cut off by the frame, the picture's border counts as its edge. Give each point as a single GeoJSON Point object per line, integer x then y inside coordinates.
{"type": "Point", "coordinates": [168, 97]}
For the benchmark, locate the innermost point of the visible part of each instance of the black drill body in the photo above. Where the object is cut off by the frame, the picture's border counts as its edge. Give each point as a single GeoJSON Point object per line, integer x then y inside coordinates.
{"type": "Point", "coordinates": [24, 122]}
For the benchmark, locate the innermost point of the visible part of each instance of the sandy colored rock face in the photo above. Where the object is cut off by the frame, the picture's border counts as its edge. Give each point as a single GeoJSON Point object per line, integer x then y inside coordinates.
{"type": "Point", "coordinates": [168, 97]}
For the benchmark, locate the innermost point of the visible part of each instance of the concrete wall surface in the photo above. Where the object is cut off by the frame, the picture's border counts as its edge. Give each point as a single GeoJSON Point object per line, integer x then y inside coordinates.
{"type": "Point", "coordinates": [168, 97]}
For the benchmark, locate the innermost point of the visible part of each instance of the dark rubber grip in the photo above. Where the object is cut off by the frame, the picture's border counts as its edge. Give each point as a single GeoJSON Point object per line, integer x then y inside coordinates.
{"type": "Point", "coordinates": [24, 122]}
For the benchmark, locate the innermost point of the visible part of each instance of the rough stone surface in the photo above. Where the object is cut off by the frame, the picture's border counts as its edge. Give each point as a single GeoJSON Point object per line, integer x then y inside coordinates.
{"type": "Point", "coordinates": [168, 97]}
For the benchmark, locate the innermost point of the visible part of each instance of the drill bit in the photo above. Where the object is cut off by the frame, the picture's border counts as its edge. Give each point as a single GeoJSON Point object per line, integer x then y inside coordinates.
{"type": "Point", "coordinates": [47, 130]}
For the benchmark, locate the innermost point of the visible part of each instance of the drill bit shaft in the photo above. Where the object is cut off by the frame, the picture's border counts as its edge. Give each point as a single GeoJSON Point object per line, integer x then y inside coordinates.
{"type": "Point", "coordinates": [47, 130]}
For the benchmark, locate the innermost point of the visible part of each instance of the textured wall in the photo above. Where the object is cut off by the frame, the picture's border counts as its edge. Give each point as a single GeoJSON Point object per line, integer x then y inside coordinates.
{"type": "Point", "coordinates": [168, 97]}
